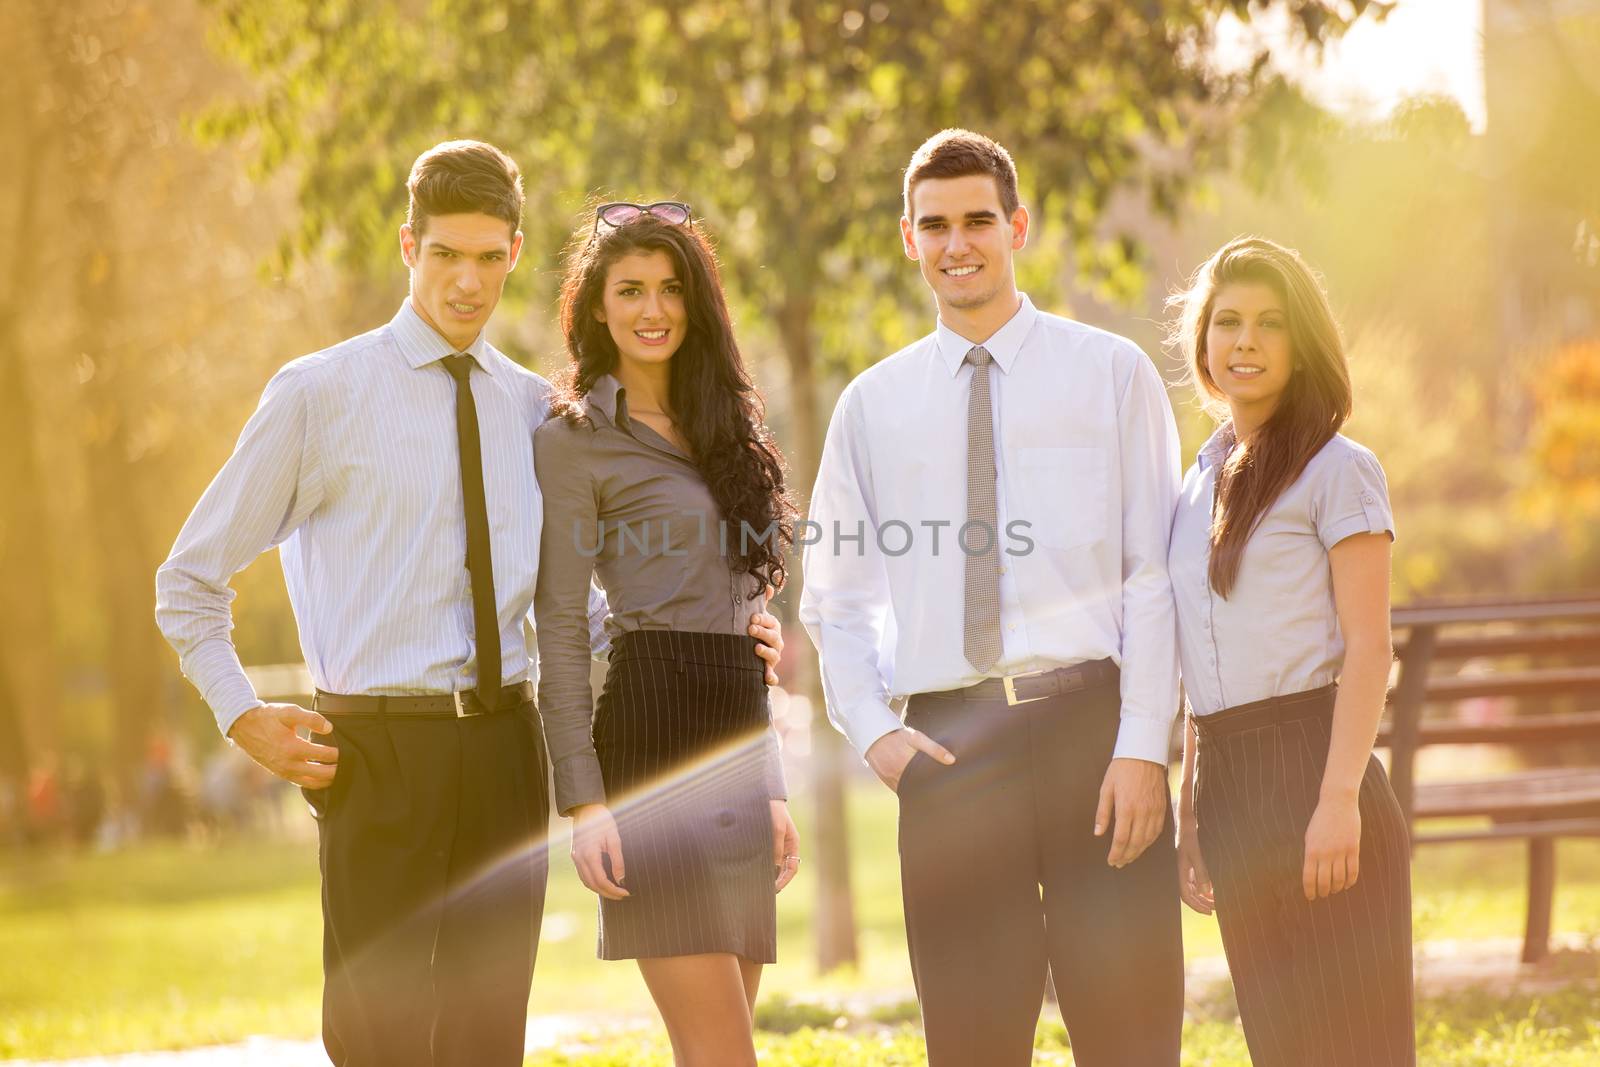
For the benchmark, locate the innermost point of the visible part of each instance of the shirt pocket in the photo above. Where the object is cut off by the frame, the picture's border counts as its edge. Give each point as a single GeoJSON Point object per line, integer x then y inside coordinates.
{"type": "Point", "coordinates": [1063, 493]}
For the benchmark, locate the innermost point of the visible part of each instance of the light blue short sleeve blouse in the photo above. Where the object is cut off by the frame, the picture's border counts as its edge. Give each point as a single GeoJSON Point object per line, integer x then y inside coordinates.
{"type": "Point", "coordinates": [1277, 633]}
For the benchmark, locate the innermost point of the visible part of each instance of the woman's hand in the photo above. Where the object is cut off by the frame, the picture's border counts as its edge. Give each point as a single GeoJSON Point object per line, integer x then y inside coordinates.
{"type": "Point", "coordinates": [1333, 848]}
{"type": "Point", "coordinates": [768, 633]}
{"type": "Point", "coordinates": [1194, 883]}
{"type": "Point", "coordinates": [785, 844]}
{"type": "Point", "coordinates": [595, 840]}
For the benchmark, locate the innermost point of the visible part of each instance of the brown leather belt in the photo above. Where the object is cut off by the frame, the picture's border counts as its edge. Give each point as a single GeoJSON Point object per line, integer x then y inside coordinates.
{"type": "Point", "coordinates": [1036, 685]}
{"type": "Point", "coordinates": [444, 705]}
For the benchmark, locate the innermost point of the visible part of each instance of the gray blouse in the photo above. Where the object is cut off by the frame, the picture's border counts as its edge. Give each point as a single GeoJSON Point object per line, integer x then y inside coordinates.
{"type": "Point", "coordinates": [624, 504]}
{"type": "Point", "coordinates": [1277, 633]}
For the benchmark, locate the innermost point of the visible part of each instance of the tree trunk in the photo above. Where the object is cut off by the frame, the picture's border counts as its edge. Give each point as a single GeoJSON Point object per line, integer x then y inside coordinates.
{"type": "Point", "coordinates": [120, 537]}
{"type": "Point", "coordinates": [835, 915]}
{"type": "Point", "coordinates": [30, 658]}
{"type": "Point", "coordinates": [14, 765]}
{"type": "Point", "coordinates": [30, 655]}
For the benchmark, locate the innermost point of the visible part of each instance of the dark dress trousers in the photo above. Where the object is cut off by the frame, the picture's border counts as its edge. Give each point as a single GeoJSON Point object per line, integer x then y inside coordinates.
{"type": "Point", "coordinates": [434, 862]}
{"type": "Point", "coordinates": [1003, 878]}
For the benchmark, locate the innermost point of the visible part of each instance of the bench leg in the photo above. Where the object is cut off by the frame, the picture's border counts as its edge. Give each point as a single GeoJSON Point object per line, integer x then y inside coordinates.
{"type": "Point", "coordinates": [1541, 898]}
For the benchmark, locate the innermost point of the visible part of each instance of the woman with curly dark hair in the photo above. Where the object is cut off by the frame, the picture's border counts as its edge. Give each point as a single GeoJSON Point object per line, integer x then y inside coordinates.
{"type": "Point", "coordinates": [660, 479]}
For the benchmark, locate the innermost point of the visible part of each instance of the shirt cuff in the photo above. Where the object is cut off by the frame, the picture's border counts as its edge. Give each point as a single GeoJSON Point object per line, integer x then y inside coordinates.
{"type": "Point", "coordinates": [1356, 524]}
{"type": "Point", "coordinates": [579, 782]}
{"type": "Point", "coordinates": [1144, 738]}
{"type": "Point", "coordinates": [866, 724]}
{"type": "Point", "coordinates": [214, 668]}
{"type": "Point", "coordinates": [226, 718]}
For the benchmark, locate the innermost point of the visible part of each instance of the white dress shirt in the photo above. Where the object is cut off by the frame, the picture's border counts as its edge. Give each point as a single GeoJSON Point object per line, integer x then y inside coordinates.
{"type": "Point", "coordinates": [1277, 632]}
{"type": "Point", "coordinates": [1087, 458]}
{"type": "Point", "coordinates": [350, 465]}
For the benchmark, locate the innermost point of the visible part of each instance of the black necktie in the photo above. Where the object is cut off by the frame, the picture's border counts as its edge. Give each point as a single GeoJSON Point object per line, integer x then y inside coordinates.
{"type": "Point", "coordinates": [480, 563]}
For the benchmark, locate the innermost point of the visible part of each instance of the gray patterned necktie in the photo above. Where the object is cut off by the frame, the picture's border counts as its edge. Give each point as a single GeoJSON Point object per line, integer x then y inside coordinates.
{"type": "Point", "coordinates": [980, 631]}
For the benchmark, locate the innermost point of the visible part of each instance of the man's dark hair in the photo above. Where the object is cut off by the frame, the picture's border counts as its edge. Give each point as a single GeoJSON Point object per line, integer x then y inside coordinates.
{"type": "Point", "coordinates": [464, 177]}
{"type": "Point", "coordinates": [956, 153]}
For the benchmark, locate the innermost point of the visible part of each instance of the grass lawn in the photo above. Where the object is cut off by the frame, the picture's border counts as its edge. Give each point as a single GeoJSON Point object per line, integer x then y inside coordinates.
{"type": "Point", "coordinates": [169, 946]}
{"type": "Point", "coordinates": [1469, 1031]}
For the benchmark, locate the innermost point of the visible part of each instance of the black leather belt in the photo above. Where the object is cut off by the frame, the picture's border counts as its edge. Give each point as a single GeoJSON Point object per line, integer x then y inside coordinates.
{"type": "Point", "coordinates": [1036, 685]}
{"type": "Point", "coordinates": [444, 705]}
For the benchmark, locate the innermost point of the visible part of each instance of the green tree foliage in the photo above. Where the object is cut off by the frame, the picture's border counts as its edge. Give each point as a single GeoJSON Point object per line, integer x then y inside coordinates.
{"type": "Point", "coordinates": [789, 123]}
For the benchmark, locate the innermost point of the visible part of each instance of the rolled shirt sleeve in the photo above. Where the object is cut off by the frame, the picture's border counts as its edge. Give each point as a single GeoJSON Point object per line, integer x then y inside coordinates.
{"type": "Point", "coordinates": [1352, 499]}
{"type": "Point", "coordinates": [264, 492]}
{"type": "Point", "coordinates": [845, 601]}
{"type": "Point", "coordinates": [1151, 478]}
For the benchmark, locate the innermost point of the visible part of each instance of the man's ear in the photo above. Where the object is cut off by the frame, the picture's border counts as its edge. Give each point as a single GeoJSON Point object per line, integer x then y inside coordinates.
{"type": "Point", "coordinates": [408, 245]}
{"type": "Point", "coordinates": [1019, 228]}
{"type": "Point", "coordinates": [516, 250]}
{"type": "Point", "coordinates": [908, 239]}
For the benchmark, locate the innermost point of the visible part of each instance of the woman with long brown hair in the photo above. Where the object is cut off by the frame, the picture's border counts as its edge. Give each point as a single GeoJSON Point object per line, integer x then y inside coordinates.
{"type": "Point", "coordinates": [1279, 558]}
{"type": "Point", "coordinates": [661, 480]}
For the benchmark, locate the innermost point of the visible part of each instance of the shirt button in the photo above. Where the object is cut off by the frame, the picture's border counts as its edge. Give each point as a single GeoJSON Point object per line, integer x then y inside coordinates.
{"type": "Point", "coordinates": [1367, 497]}
{"type": "Point", "coordinates": [1011, 626]}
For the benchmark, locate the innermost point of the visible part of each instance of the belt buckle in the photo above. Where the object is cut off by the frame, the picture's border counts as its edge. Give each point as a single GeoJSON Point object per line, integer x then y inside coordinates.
{"type": "Point", "coordinates": [459, 705]}
{"type": "Point", "coordinates": [1009, 683]}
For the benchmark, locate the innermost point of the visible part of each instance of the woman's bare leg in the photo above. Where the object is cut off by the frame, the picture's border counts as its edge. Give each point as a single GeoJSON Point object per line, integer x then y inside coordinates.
{"type": "Point", "coordinates": [750, 972]}
{"type": "Point", "coordinates": [705, 1002]}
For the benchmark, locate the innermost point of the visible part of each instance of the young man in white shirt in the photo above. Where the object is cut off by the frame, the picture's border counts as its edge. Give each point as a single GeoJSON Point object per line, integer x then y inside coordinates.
{"type": "Point", "coordinates": [990, 532]}
{"type": "Point", "coordinates": [395, 470]}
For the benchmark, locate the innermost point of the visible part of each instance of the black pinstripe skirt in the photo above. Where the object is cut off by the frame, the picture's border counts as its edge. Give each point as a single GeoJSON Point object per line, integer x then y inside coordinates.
{"type": "Point", "coordinates": [680, 730]}
{"type": "Point", "coordinates": [1323, 983]}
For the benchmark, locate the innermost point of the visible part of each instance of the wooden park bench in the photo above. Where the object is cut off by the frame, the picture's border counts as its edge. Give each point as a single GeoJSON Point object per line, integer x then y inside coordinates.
{"type": "Point", "coordinates": [1540, 805]}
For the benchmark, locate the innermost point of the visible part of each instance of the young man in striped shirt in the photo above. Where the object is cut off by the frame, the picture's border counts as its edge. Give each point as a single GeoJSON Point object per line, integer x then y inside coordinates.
{"type": "Point", "coordinates": [394, 471]}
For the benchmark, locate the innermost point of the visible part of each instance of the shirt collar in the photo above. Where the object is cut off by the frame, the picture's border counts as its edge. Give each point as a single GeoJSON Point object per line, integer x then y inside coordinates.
{"type": "Point", "coordinates": [609, 398]}
{"type": "Point", "coordinates": [1217, 446]}
{"type": "Point", "coordinates": [1003, 345]}
{"type": "Point", "coordinates": [421, 343]}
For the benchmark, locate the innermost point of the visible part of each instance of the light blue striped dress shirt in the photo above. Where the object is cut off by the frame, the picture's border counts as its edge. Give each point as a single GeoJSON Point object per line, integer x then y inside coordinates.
{"type": "Point", "coordinates": [350, 467]}
{"type": "Point", "coordinates": [1277, 632]}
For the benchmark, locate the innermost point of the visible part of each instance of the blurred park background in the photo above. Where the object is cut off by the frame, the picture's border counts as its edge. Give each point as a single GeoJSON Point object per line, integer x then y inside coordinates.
{"type": "Point", "coordinates": [196, 191]}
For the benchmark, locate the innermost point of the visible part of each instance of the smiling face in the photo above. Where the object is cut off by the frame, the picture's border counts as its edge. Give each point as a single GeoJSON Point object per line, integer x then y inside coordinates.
{"type": "Point", "coordinates": [1248, 354]}
{"type": "Point", "coordinates": [642, 306]}
{"type": "Point", "coordinates": [458, 267]}
{"type": "Point", "coordinates": [961, 237]}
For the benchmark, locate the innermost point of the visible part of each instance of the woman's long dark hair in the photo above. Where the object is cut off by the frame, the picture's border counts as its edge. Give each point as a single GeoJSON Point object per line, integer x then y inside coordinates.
{"type": "Point", "coordinates": [1314, 405]}
{"type": "Point", "coordinates": [714, 405]}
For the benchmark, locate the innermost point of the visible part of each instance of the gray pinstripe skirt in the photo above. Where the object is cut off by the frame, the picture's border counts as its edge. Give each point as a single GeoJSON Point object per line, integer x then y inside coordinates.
{"type": "Point", "coordinates": [1319, 984]}
{"type": "Point", "coordinates": [680, 730]}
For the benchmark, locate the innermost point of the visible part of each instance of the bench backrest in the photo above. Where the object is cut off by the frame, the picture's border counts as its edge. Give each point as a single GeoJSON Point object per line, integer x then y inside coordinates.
{"type": "Point", "coordinates": [1428, 634]}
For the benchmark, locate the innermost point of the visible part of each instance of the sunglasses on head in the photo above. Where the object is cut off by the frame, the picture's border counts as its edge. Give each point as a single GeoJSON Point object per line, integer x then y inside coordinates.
{"type": "Point", "coordinates": [620, 213]}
